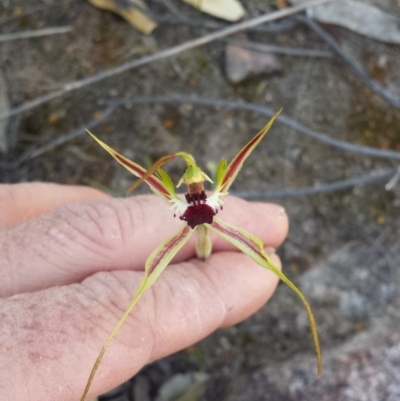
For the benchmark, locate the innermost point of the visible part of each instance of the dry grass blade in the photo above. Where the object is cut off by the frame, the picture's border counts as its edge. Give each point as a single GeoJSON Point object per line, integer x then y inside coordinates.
{"type": "Point", "coordinates": [35, 33]}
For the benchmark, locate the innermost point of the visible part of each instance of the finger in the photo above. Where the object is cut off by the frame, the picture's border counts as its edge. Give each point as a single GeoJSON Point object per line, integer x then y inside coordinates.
{"type": "Point", "coordinates": [80, 239]}
{"type": "Point", "coordinates": [56, 334]}
{"type": "Point", "coordinates": [20, 202]}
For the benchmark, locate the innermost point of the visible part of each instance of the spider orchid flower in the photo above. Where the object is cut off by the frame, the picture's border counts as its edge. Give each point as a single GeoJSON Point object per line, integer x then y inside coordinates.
{"type": "Point", "coordinates": [199, 213]}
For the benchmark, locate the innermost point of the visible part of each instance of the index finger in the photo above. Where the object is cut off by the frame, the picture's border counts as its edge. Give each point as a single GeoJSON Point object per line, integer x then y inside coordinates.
{"type": "Point", "coordinates": [21, 202]}
{"type": "Point", "coordinates": [77, 240]}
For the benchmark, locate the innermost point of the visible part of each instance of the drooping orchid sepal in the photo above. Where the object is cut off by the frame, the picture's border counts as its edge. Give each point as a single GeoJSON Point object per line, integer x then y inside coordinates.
{"type": "Point", "coordinates": [254, 247]}
{"type": "Point", "coordinates": [155, 265]}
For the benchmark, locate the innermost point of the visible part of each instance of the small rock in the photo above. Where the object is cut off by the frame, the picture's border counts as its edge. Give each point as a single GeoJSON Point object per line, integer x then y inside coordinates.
{"type": "Point", "coordinates": [241, 63]}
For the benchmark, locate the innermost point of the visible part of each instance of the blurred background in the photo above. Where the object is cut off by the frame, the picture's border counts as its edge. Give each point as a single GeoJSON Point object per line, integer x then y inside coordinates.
{"type": "Point", "coordinates": [332, 160]}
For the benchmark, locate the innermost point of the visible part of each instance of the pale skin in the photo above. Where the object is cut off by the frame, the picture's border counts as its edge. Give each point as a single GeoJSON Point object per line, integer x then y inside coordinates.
{"type": "Point", "coordinates": [71, 260]}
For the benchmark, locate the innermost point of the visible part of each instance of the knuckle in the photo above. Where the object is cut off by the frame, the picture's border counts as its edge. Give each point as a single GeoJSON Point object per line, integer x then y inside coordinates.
{"type": "Point", "coordinates": [96, 225]}
{"type": "Point", "coordinates": [109, 223]}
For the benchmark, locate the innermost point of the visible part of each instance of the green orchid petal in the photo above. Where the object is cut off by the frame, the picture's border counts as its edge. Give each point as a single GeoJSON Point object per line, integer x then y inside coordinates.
{"type": "Point", "coordinates": [231, 171]}
{"type": "Point", "coordinates": [155, 265]}
{"type": "Point", "coordinates": [220, 174]}
{"type": "Point", "coordinates": [254, 247]}
{"type": "Point", "coordinates": [167, 181]}
{"type": "Point", "coordinates": [159, 186]}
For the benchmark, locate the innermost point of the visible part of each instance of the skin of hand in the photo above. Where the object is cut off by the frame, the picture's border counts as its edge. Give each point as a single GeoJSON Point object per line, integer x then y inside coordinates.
{"type": "Point", "coordinates": [71, 260]}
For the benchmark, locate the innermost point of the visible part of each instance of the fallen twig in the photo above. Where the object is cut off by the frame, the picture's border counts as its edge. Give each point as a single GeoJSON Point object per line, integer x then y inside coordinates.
{"type": "Point", "coordinates": [161, 55]}
{"type": "Point", "coordinates": [288, 51]}
{"type": "Point", "coordinates": [319, 189]}
{"type": "Point", "coordinates": [34, 34]}
{"type": "Point", "coordinates": [60, 140]}
{"type": "Point", "coordinates": [358, 70]}
{"type": "Point", "coordinates": [270, 27]}
{"type": "Point", "coordinates": [236, 105]}
{"type": "Point", "coordinates": [113, 104]}
{"type": "Point", "coordinates": [229, 104]}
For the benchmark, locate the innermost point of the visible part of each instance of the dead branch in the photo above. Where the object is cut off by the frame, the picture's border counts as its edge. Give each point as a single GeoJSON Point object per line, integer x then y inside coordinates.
{"type": "Point", "coordinates": [287, 51]}
{"type": "Point", "coordinates": [35, 33]}
{"type": "Point", "coordinates": [352, 182]}
{"type": "Point", "coordinates": [358, 70]}
{"type": "Point", "coordinates": [263, 110]}
{"type": "Point", "coordinates": [172, 51]}
{"type": "Point", "coordinates": [60, 140]}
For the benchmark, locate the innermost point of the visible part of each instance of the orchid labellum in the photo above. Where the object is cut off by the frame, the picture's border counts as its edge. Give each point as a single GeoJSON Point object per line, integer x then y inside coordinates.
{"type": "Point", "coordinates": [198, 211]}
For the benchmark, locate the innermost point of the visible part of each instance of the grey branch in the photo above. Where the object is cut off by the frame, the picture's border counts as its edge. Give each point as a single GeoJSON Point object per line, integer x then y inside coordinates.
{"type": "Point", "coordinates": [263, 110]}
{"type": "Point", "coordinates": [287, 51]}
{"type": "Point", "coordinates": [358, 71]}
{"type": "Point", "coordinates": [352, 182]}
{"type": "Point", "coordinates": [172, 51]}
{"type": "Point", "coordinates": [35, 152]}
{"type": "Point", "coordinates": [34, 34]}
{"type": "Point", "coordinates": [391, 174]}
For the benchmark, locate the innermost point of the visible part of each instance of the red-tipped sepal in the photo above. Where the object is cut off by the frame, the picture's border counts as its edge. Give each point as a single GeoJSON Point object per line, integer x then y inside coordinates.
{"type": "Point", "coordinates": [227, 174]}
{"type": "Point", "coordinates": [156, 184]}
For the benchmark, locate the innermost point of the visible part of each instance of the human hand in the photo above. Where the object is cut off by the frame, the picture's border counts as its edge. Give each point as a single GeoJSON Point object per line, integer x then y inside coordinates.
{"type": "Point", "coordinates": [69, 270]}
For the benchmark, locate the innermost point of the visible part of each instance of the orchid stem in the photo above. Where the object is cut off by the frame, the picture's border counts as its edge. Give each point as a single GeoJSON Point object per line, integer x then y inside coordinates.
{"type": "Point", "coordinates": [139, 292]}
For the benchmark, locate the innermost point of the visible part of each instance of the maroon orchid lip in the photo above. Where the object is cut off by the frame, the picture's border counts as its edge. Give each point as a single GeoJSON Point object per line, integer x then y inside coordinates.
{"type": "Point", "coordinates": [198, 212]}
